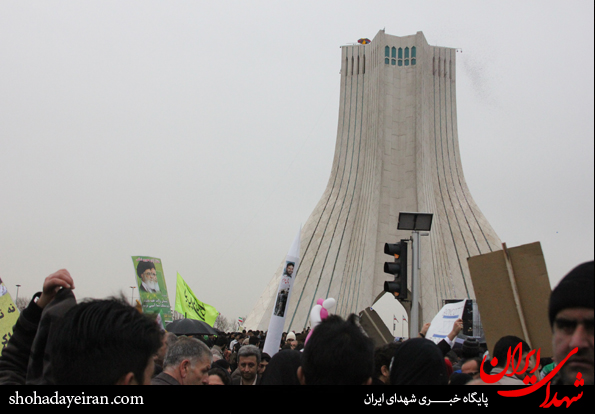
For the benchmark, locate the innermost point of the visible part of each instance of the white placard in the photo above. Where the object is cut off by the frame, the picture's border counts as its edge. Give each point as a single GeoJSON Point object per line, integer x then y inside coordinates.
{"type": "Point", "coordinates": [444, 320]}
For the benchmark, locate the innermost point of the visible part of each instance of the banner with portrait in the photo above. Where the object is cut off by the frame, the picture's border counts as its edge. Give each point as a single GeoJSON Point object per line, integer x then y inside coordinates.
{"type": "Point", "coordinates": [8, 316]}
{"type": "Point", "coordinates": [151, 288]}
{"type": "Point", "coordinates": [288, 275]}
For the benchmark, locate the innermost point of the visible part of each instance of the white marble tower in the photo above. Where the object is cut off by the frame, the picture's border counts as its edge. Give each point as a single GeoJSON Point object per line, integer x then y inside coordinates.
{"type": "Point", "coordinates": [397, 150]}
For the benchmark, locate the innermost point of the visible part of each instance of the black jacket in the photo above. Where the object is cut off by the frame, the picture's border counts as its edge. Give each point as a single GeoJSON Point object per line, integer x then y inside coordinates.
{"type": "Point", "coordinates": [26, 357]}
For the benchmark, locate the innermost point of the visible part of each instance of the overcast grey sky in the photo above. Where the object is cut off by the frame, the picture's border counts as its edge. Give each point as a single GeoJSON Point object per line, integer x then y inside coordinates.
{"type": "Point", "coordinates": [203, 132]}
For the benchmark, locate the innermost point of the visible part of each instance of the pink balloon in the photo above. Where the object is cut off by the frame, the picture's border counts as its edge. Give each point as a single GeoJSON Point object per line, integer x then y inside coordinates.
{"type": "Point", "coordinates": [323, 315]}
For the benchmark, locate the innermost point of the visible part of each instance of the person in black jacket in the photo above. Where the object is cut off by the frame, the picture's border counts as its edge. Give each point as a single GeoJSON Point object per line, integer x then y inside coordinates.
{"type": "Point", "coordinates": [97, 342]}
{"type": "Point", "coordinates": [14, 361]}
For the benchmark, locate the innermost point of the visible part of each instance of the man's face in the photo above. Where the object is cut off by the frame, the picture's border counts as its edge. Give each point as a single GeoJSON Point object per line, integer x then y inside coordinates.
{"type": "Point", "coordinates": [248, 367]}
{"type": "Point", "coordinates": [289, 270]}
{"type": "Point", "coordinates": [471, 368]}
{"type": "Point", "coordinates": [198, 373]}
{"type": "Point", "coordinates": [524, 364]}
{"type": "Point", "coordinates": [149, 278]}
{"type": "Point", "coordinates": [573, 328]}
{"type": "Point", "coordinates": [149, 275]}
{"type": "Point", "coordinates": [531, 363]}
{"type": "Point", "coordinates": [160, 356]}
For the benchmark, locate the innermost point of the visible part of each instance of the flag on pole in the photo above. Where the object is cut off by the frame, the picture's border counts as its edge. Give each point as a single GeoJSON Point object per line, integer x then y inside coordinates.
{"type": "Point", "coordinates": [8, 316]}
{"type": "Point", "coordinates": [395, 318]}
{"type": "Point", "coordinates": [190, 307]}
{"type": "Point", "coordinates": [275, 331]}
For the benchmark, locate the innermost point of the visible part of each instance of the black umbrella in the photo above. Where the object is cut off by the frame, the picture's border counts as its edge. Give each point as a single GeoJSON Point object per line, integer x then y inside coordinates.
{"type": "Point", "coordinates": [190, 327]}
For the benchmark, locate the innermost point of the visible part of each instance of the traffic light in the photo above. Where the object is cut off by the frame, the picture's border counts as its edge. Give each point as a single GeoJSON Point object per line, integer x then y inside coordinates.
{"type": "Point", "coordinates": [398, 268]}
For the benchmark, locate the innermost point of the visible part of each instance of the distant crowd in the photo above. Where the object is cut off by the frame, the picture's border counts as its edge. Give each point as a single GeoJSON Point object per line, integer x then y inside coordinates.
{"type": "Point", "coordinates": [106, 341]}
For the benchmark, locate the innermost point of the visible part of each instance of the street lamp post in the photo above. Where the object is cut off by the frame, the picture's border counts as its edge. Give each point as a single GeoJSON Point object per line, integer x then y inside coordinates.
{"type": "Point", "coordinates": [415, 222]}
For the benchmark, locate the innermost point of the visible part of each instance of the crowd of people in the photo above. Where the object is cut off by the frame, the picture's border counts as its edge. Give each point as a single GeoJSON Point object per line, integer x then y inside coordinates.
{"type": "Point", "coordinates": [107, 341]}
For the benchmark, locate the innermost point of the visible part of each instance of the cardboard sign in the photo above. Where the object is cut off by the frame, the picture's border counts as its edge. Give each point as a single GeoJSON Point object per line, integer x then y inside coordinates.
{"type": "Point", "coordinates": [373, 325]}
{"type": "Point", "coordinates": [512, 290]}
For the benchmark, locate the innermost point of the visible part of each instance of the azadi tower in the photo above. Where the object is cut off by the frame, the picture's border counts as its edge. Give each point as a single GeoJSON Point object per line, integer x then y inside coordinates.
{"type": "Point", "coordinates": [397, 151]}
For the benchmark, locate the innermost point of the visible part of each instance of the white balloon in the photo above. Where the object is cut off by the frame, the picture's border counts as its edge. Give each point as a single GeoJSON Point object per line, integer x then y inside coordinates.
{"type": "Point", "coordinates": [329, 304]}
{"type": "Point", "coordinates": [315, 318]}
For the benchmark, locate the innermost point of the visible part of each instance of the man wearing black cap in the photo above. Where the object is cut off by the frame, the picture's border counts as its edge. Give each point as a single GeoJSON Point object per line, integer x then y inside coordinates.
{"type": "Point", "coordinates": [571, 319]}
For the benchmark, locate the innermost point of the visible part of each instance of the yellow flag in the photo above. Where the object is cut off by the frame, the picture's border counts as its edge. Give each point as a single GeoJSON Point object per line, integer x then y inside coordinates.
{"type": "Point", "coordinates": [190, 307]}
{"type": "Point", "coordinates": [8, 316]}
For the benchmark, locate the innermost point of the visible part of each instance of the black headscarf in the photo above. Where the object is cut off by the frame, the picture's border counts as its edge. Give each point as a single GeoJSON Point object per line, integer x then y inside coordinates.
{"type": "Point", "coordinates": [418, 361]}
{"type": "Point", "coordinates": [282, 369]}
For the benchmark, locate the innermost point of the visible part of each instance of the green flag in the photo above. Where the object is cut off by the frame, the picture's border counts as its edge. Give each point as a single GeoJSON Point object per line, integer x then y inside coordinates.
{"type": "Point", "coordinates": [190, 307]}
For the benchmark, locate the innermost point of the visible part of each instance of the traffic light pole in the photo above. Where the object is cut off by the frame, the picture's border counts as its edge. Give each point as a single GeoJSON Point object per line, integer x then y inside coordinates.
{"type": "Point", "coordinates": [415, 222]}
{"type": "Point", "coordinates": [414, 321]}
{"type": "Point", "coordinates": [414, 325]}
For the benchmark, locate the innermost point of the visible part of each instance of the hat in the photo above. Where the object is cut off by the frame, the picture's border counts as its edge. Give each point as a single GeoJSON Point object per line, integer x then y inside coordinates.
{"type": "Point", "coordinates": [470, 348]}
{"type": "Point", "coordinates": [290, 336]}
{"type": "Point", "coordinates": [575, 290]}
